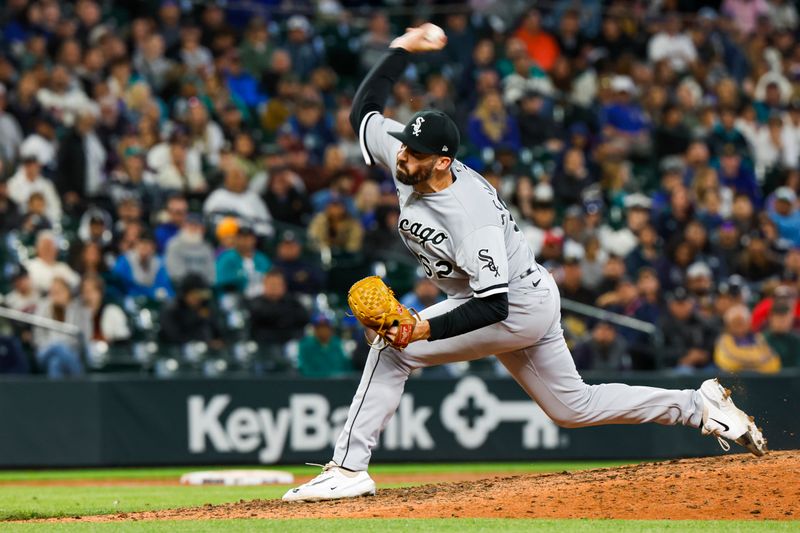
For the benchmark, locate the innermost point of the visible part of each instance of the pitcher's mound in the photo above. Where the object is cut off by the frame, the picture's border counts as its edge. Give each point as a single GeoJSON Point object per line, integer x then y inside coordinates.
{"type": "Point", "coordinates": [728, 487]}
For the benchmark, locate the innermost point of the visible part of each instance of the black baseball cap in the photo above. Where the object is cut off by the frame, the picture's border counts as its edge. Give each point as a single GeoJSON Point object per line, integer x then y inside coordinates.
{"type": "Point", "coordinates": [430, 132]}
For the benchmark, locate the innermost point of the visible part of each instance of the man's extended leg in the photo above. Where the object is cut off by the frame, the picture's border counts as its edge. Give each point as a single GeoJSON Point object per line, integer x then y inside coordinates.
{"type": "Point", "coordinates": [546, 371]}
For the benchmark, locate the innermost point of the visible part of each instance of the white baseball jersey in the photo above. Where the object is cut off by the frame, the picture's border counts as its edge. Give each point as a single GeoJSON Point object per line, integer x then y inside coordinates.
{"type": "Point", "coordinates": [463, 236]}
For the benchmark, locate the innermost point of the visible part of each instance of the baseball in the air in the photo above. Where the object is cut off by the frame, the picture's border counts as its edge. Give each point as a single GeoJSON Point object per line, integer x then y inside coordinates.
{"type": "Point", "coordinates": [434, 34]}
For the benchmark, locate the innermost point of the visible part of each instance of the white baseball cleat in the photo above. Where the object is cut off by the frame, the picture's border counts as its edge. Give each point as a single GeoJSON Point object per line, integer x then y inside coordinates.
{"type": "Point", "coordinates": [333, 483]}
{"type": "Point", "coordinates": [724, 420]}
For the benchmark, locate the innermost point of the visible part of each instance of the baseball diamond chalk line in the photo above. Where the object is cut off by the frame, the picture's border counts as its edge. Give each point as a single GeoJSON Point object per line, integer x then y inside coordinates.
{"type": "Point", "coordinates": [730, 487]}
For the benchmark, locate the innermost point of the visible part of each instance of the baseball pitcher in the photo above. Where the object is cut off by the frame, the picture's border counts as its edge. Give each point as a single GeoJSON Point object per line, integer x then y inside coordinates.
{"type": "Point", "coordinates": [500, 301]}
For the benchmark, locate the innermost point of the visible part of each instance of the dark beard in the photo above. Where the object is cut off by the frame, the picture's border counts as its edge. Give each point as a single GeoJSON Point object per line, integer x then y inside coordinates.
{"type": "Point", "coordinates": [419, 176]}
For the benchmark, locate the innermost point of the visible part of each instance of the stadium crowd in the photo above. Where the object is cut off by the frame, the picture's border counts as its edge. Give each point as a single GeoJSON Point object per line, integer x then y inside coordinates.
{"type": "Point", "coordinates": [180, 178]}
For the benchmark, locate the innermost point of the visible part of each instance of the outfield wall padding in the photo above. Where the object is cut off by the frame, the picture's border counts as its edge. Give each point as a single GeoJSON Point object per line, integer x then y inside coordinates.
{"type": "Point", "coordinates": [109, 421]}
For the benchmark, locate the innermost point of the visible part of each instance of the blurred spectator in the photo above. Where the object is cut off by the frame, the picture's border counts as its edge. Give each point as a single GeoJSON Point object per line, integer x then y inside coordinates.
{"type": "Point", "coordinates": [744, 13]}
{"type": "Point", "coordinates": [738, 349]}
{"type": "Point", "coordinates": [605, 350]}
{"type": "Point", "coordinates": [177, 210]}
{"type": "Point", "coordinates": [141, 272]}
{"type": "Point", "coordinates": [734, 173]}
{"type": "Point", "coordinates": [189, 253]}
{"type": "Point", "coordinates": [322, 354]}
{"type": "Point", "coordinates": [236, 199]}
{"type": "Point", "coordinates": [127, 179]}
{"type": "Point", "coordinates": [177, 165]}
{"type": "Point", "coordinates": [334, 228]}
{"type": "Point", "coordinates": [12, 357]}
{"type": "Point", "coordinates": [626, 300]}
{"type": "Point", "coordinates": [151, 63]}
{"type": "Point", "coordinates": [10, 217]}
{"type": "Point", "coordinates": [310, 124]}
{"type": "Point", "coordinates": [593, 263]}
{"type": "Point", "coordinates": [699, 279]}
{"type": "Point", "coordinates": [491, 126]}
{"type": "Point", "coordinates": [384, 240]}
{"type": "Point", "coordinates": [257, 47]}
{"type": "Point", "coordinates": [241, 83]}
{"type": "Point", "coordinates": [225, 232]}
{"type": "Point", "coordinates": [375, 40]}
{"type": "Point", "coordinates": [205, 135]}
{"type": "Point", "coordinates": [571, 283]}
{"type": "Point", "coordinates": [191, 317]}
{"type": "Point", "coordinates": [540, 45]}
{"type": "Point", "coordinates": [775, 147]}
{"type": "Point", "coordinates": [624, 121]}
{"type": "Point", "coordinates": [241, 269]}
{"type": "Point", "coordinates": [573, 177]}
{"type": "Point", "coordinates": [424, 295]}
{"type": "Point", "coordinates": [727, 142]}
{"type": "Point", "coordinates": [305, 51]}
{"type": "Point", "coordinates": [672, 45]}
{"type": "Point", "coordinates": [286, 197]}
{"type": "Point", "coordinates": [192, 54]}
{"type": "Point", "coordinates": [786, 215]}
{"type": "Point", "coordinates": [672, 136]}
{"type": "Point", "coordinates": [783, 296]}
{"type": "Point", "coordinates": [537, 126]}
{"type": "Point", "coordinates": [90, 261]}
{"type": "Point", "coordinates": [23, 297]}
{"type": "Point", "coordinates": [45, 266]}
{"type": "Point", "coordinates": [61, 98]}
{"type": "Point", "coordinates": [757, 262]}
{"type": "Point", "coordinates": [108, 322]}
{"type": "Point", "coordinates": [688, 341]}
{"type": "Point", "coordinates": [81, 162]}
{"type": "Point", "coordinates": [543, 218]}
{"type": "Point", "coordinates": [782, 335]}
{"type": "Point", "coordinates": [648, 250]}
{"type": "Point", "coordinates": [60, 354]}
{"type": "Point", "coordinates": [623, 241]}
{"type": "Point", "coordinates": [301, 276]}
{"type": "Point", "coordinates": [276, 316]}
{"type": "Point", "coordinates": [28, 180]}
{"type": "Point", "coordinates": [10, 130]}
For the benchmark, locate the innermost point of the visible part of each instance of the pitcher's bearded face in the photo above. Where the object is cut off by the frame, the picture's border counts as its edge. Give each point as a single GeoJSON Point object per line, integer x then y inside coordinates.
{"type": "Point", "coordinates": [412, 167]}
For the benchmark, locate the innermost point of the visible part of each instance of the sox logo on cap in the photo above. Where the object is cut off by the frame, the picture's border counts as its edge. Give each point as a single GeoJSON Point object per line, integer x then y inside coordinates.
{"type": "Point", "coordinates": [418, 126]}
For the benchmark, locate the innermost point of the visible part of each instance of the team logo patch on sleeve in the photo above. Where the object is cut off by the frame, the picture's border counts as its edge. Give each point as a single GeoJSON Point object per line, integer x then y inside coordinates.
{"type": "Point", "coordinates": [488, 262]}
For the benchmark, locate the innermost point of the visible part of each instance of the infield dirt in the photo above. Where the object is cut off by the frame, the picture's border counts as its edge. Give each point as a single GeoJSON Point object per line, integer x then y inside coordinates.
{"type": "Point", "coordinates": [729, 487]}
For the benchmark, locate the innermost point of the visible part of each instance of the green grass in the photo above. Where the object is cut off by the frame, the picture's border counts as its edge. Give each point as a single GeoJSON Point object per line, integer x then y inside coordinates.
{"type": "Point", "coordinates": [400, 468]}
{"type": "Point", "coordinates": [25, 502]}
{"type": "Point", "coordinates": [444, 525]}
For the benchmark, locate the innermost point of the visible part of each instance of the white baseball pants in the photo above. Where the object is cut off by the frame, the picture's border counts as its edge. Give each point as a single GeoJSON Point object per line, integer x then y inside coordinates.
{"type": "Point", "coordinates": [531, 345]}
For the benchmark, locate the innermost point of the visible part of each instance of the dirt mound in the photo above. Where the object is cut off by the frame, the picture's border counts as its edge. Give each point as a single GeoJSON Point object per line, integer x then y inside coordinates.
{"type": "Point", "coordinates": [729, 487]}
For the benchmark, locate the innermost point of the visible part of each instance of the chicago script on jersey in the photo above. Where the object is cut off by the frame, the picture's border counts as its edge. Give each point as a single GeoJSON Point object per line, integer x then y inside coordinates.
{"type": "Point", "coordinates": [423, 234]}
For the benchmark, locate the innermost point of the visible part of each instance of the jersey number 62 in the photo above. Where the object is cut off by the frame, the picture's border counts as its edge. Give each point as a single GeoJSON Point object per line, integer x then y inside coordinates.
{"type": "Point", "coordinates": [442, 268]}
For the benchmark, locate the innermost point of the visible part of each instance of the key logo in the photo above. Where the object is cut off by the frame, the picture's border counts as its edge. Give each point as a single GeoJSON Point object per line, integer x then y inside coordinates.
{"type": "Point", "coordinates": [417, 126]}
{"type": "Point", "coordinates": [471, 413]}
{"type": "Point", "coordinates": [484, 256]}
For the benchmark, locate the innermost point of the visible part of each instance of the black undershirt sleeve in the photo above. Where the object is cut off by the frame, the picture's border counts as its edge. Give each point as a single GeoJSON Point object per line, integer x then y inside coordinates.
{"type": "Point", "coordinates": [377, 85]}
{"type": "Point", "coordinates": [472, 315]}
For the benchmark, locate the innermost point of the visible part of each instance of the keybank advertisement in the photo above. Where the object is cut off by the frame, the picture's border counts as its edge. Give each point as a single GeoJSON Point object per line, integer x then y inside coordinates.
{"type": "Point", "coordinates": [130, 421]}
{"type": "Point", "coordinates": [466, 417]}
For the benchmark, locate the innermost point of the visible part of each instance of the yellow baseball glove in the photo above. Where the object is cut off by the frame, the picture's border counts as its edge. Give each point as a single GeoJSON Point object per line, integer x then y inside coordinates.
{"type": "Point", "coordinates": [374, 305]}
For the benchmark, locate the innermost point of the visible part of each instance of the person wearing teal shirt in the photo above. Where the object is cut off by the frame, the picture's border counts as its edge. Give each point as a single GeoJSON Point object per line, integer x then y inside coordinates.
{"type": "Point", "coordinates": [242, 268]}
{"type": "Point", "coordinates": [321, 354]}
